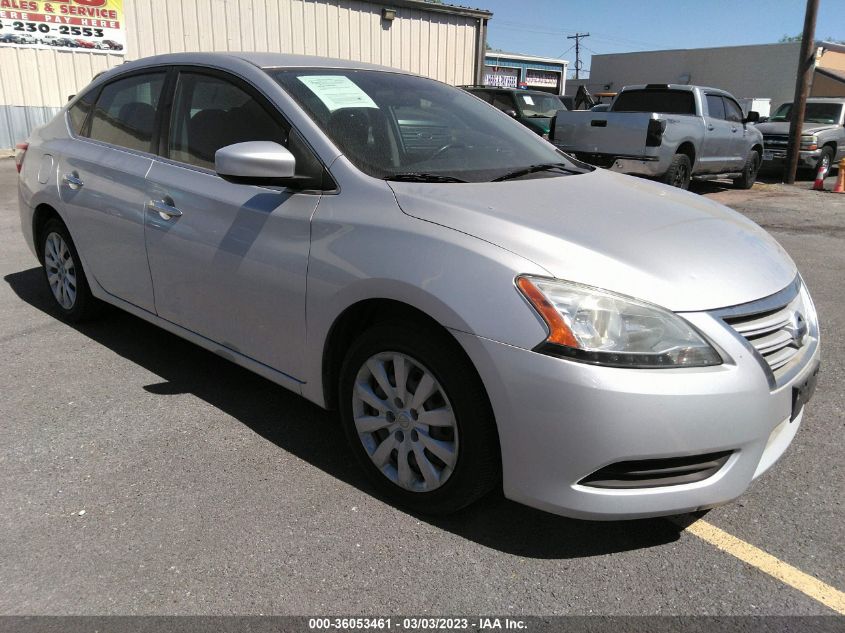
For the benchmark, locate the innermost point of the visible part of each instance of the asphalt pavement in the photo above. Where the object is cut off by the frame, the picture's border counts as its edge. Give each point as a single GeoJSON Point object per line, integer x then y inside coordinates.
{"type": "Point", "coordinates": [140, 474]}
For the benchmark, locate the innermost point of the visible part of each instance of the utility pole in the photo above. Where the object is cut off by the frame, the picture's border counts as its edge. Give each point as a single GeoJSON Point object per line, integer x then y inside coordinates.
{"type": "Point", "coordinates": [577, 37]}
{"type": "Point", "coordinates": [806, 61]}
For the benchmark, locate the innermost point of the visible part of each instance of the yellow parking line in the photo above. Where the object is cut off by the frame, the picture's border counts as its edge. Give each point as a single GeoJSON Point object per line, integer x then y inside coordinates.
{"type": "Point", "coordinates": [754, 556]}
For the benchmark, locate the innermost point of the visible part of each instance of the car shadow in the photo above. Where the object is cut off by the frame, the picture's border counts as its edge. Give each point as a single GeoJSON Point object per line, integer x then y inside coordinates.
{"type": "Point", "coordinates": [314, 435]}
{"type": "Point", "coordinates": [702, 187]}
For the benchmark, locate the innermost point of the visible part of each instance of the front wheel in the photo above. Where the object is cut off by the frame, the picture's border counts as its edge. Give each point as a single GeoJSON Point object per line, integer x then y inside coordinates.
{"type": "Point", "coordinates": [417, 418]}
{"type": "Point", "coordinates": [825, 160]}
{"type": "Point", "coordinates": [749, 171]}
{"type": "Point", "coordinates": [679, 172]}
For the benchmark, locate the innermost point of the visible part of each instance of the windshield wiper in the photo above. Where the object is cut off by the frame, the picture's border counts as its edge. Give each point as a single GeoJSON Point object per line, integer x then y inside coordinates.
{"type": "Point", "coordinates": [531, 169]}
{"type": "Point", "coordinates": [422, 177]}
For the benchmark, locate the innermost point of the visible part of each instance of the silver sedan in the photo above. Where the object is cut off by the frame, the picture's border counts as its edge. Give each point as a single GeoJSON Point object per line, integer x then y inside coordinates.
{"type": "Point", "coordinates": [482, 310]}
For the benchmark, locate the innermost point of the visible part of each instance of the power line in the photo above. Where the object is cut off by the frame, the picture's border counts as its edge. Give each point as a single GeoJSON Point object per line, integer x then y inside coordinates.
{"type": "Point", "coordinates": [509, 25]}
{"type": "Point", "coordinates": [566, 51]}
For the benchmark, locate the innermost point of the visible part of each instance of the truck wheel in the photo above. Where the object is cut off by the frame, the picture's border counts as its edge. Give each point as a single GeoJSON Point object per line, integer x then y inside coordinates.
{"type": "Point", "coordinates": [825, 160]}
{"type": "Point", "coordinates": [749, 172]}
{"type": "Point", "coordinates": [679, 172]}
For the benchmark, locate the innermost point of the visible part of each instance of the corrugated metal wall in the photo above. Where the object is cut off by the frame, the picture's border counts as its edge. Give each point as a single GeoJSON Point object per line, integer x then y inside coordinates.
{"type": "Point", "coordinates": [35, 83]}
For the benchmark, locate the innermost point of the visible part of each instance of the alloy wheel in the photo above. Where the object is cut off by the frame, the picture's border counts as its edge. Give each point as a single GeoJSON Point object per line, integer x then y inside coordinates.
{"type": "Point", "coordinates": [405, 421]}
{"type": "Point", "coordinates": [61, 270]}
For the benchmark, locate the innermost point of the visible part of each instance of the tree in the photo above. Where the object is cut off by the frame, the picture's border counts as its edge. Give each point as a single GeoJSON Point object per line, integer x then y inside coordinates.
{"type": "Point", "coordinates": [797, 38]}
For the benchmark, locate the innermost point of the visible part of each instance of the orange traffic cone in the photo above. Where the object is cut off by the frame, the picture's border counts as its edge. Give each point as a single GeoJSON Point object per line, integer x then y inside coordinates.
{"type": "Point", "coordinates": [840, 179]}
{"type": "Point", "coordinates": [819, 184]}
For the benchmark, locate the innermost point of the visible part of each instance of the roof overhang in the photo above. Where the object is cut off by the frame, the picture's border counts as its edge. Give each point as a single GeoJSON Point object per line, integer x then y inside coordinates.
{"type": "Point", "coordinates": [434, 7]}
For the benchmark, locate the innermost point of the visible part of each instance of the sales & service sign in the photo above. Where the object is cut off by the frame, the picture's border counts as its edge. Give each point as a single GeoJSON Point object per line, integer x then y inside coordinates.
{"type": "Point", "coordinates": [93, 26]}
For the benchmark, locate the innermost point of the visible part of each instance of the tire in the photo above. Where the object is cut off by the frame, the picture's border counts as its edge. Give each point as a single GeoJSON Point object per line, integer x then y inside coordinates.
{"type": "Point", "coordinates": [749, 171]}
{"type": "Point", "coordinates": [466, 463]}
{"type": "Point", "coordinates": [66, 282]}
{"type": "Point", "coordinates": [679, 172]}
{"type": "Point", "coordinates": [825, 159]}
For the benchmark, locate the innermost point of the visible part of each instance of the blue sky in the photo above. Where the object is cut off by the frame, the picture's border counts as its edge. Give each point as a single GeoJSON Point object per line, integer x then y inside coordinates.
{"type": "Point", "coordinates": [540, 27]}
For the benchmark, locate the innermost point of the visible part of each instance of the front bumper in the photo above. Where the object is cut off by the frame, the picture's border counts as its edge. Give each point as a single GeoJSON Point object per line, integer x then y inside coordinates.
{"type": "Point", "coordinates": [777, 158]}
{"type": "Point", "coordinates": [560, 421]}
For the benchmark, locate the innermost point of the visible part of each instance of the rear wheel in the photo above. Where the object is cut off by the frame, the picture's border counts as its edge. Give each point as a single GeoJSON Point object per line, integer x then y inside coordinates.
{"type": "Point", "coordinates": [749, 171]}
{"type": "Point", "coordinates": [417, 418]}
{"type": "Point", "coordinates": [63, 272]}
{"type": "Point", "coordinates": [679, 172]}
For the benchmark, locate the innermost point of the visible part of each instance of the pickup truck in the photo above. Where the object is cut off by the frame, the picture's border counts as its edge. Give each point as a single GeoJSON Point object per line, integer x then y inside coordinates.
{"type": "Point", "coordinates": [822, 135]}
{"type": "Point", "coordinates": [669, 132]}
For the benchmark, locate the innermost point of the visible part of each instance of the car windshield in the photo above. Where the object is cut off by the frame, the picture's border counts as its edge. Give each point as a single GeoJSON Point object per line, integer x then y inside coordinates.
{"type": "Point", "coordinates": [533, 105]}
{"type": "Point", "coordinates": [814, 113]}
{"type": "Point", "coordinates": [396, 126]}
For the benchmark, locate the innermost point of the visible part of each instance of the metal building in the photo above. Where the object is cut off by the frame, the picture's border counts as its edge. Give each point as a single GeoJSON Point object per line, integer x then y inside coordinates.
{"type": "Point", "coordinates": [441, 41]}
{"type": "Point", "coordinates": [761, 71]}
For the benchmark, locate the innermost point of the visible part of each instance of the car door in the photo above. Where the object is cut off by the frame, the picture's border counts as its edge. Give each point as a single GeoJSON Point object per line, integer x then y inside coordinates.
{"type": "Point", "coordinates": [716, 146]}
{"type": "Point", "coordinates": [102, 183]}
{"type": "Point", "coordinates": [739, 149]}
{"type": "Point", "coordinates": [228, 260]}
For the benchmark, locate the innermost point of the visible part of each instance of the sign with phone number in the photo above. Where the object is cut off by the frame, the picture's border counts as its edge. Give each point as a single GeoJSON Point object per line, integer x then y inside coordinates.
{"type": "Point", "coordinates": [91, 26]}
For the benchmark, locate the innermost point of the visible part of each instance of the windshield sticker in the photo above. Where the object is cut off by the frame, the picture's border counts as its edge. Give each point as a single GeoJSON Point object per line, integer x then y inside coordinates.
{"type": "Point", "coordinates": [528, 99]}
{"type": "Point", "coordinates": [337, 91]}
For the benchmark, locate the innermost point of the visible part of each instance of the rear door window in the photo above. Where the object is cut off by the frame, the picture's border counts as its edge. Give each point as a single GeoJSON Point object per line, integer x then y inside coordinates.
{"type": "Point", "coordinates": [661, 101]}
{"type": "Point", "coordinates": [126, 110]}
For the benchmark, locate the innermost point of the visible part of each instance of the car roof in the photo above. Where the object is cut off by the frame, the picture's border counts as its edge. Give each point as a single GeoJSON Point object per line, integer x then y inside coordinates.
{"type": "Point", "coordinates": [261, 60]}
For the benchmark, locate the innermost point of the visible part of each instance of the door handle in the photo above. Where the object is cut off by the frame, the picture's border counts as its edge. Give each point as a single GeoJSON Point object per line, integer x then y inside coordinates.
{"type": "Point", "coordinates": [733, 129]}
{"type": "Point", "coordinates": [166, 211]}
{"type": "Point", "coordinates": [711, 127]}
{"type": "Point", "coordinates": [72, 180]}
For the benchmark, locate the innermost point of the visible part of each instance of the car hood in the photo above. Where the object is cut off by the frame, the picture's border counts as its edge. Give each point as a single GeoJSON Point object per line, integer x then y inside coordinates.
{"type": "Point", "coordinates": [783, 128]}
{"type": "Point", "coordinates": [624, 234]}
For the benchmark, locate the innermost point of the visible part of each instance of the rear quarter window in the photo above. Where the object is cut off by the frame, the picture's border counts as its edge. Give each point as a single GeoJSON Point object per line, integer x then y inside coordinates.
{"type": "Point", "coordinates": [79, 111]}
{"type": "Point", "coordinates": [661, 101]}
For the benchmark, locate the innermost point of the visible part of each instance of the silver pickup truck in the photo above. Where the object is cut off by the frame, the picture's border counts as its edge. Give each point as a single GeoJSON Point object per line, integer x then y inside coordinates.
{"type": "Point", "coordinates": [669, 132]}
{"type": "Point", "coordinates": [822, 135]}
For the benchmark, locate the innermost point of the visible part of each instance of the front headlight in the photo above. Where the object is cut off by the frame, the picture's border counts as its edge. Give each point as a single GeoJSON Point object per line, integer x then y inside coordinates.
{"type": "Point", "coordinates": [603, 328]}
{"type": "Point", "coordinates": [810, 142]}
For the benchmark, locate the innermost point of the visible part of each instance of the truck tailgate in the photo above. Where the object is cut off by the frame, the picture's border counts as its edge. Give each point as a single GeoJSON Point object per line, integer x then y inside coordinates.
{"type": "Point", "coordinates": [616, 133]}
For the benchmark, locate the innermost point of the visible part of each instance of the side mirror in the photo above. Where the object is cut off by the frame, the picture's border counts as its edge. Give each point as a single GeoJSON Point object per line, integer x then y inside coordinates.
{"type": "Point", "coordinates": [511, 113]}
{"type": "Point", "coordinates": [753, 117]}
{"type": "Point", "coordinates": [256, 163]}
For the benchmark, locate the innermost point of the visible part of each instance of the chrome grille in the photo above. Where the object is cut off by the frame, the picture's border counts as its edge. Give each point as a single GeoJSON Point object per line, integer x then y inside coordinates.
{"type": "Point", "coordinates": [779, 328]}
{"type": "Point", "coordinates": [775, 141]}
